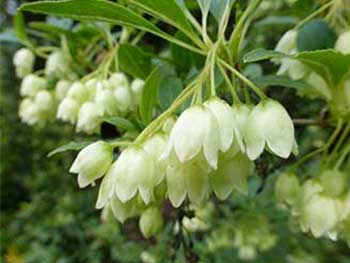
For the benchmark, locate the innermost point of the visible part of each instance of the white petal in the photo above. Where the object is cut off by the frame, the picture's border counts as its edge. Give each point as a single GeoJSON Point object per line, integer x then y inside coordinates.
{"type": "Point", "coordinates": [188, 132]}
{"type": "Point", "coordinates": [211, 140]}
{"type": "Point", "coordinates": [176, 185]}
{"type": "Point", "coordinates": [106, 190]}
{"type": "Point", "coordinates": [83, 181]}
{"type": "Point", "coordinates": [224, 116]}
{"type": "Point", "coordinates": [279, 134]}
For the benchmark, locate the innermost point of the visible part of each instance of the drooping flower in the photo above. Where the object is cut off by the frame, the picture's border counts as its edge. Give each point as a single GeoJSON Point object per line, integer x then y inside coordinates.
{"type": "Point", "coordinates": [29, 112]}
{"type": "Point", "coordinates": [31, 84]}
{"type": "Point", "coordinates": [89, 118]}
{"type": "Point", "coordinates": [78, 92]}
{"type": "Point", "coordinates": [287, 188]}
{"type": "Point", "coordinates": [269, 125]}
{"type": "Point", "coordinates": [44, 100]}
{"type": "Point", "coordinates": [92, 162]}
{"type": "Point", "coordinates": [105, 100]}
{"type": "Point", "coordinates": [68, 110]}
{"type": "Point", "coordinates": [62, 88]}
{"type": "Point", "coordinates": [195, 130]}
{"type": "Point", "coordinates": [24, 62]}
{"type": "Point", "coordinates": [57, 64]}
{"type": "Point", "coordinates": [123, 98]}
{"type": "Point", "coordinates": [287, 42]}
{"type": "Point", "coordinates": [334, 182]}
{"type": "Point", "coordinates": [118, 79]}
{"type": "Point", "coordinates": [233, 171]}
{"type": "Point", "coordinates": [151, 221]}
{"type": "Point", "coordinates": [228, 126]}
{"type": "Point", "coordinates": [188, 179]}
{"type": "Point", "coordinates": [137, 88]}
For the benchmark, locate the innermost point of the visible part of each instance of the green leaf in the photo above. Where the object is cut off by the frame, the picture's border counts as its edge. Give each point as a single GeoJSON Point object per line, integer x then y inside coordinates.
{"type": "Point", "coordinates": [48, 28]}
{"type": "Point", "coordinates": [182, 57]}
{"type": "Point", "coordinates": [261, 54]}
{"type": "Point", "coordinates": [96, 10]}
{"type": "Point", "coordinates": [134, 61]}
{"type": "Point", "coordinates": [329, 64]}
{"type": "Point", "coordinates": [169, 88]}
{"type": "Point", "coordinates": [277, 21]}
{"type": "Point", "coordinates": [149, 95]}
{"type": "Point", "coordinates": [121, 123]}
{"type": "Point", "coordinates": [217, 8]}
{"type": "Point", "coordinates": [19, 25]}
{"type": "Point", "coordinates": [71, 146]}
{"type": "Point", "coordinates": [204, 5]}
{"type": "Point", "coordinates": [169, 11]}
{"type": "Point", "coordinates": [315, 35]}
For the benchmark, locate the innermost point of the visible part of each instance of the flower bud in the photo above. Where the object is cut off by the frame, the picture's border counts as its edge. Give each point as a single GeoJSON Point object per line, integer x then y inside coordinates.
{"type": "Point", "coordinates": [24, 62]}
{"type": "Point", "coordinates": [31, 84]}
{"type": "Point", "coordinates": [137, 88]}
{"type": "Point", "coordinates": [62, 88]}
{"type": "Point", "coordinates": [78, 92]}
{"type": "Point", "coordinates": [118, 79]}
{"type": "Point", "coordinates": [89, 118]}
{"type": "Point", "coordinates": [123, 98]}
{"type": "Point", "coordinates": [287, 188]}
{"type": "Point", "coordinates": [57, 64]}
{"type": "Point", "coordinates": [269, 125]}
{"type": "Point", "coordinates": [151, 222]}
{"type": "Point", "coordinates": [29, 112]}
{"type": "Point", "coordinates": [343, 43]}
{"type": "Point", "coordinates": [44, 100]}
{"type": "Point", "coordinates": [92, 162]}
{"type": "Point", "coordinates": [334, 182]}
{"type": "Point", "coordinates": [196, 129]}
{"type": "Point", "coordinates": [91, 86]}
{"type": "Point", "coordinates": [125, 210]}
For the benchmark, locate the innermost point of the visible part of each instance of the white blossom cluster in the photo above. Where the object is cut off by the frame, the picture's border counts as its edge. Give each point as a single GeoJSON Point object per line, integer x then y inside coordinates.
{"type": "Point", "coordinates": [321, 205]}
{"type": "Point", "coordinates": [86, 104]}
{"type": "Point", "coordinates": [209, 148]}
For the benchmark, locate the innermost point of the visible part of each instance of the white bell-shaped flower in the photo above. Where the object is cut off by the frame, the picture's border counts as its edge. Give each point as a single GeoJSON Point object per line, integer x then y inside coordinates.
{"type": "Point", "coordinates": [78, 92]}
{"type": "Point", "coordinates": [89, 118]}
{"type": "Point", "coordinates": [92, 162]}
{"type": "Point", "coordinates": [287, 42]}
{"type": "Point", "coordinates": [68, 110]}
{"type": "Point", "coordinates": [334, 182]}
{"type": "Point", "coordinates": [91, 86]}
{"type": "Point", "coordinates": [106, 101]}
{"type": "Point", "coordinates": [123, 97]}
{"type": "Point", "coordinates": [57, 64]}
{"type": "Point", "coordinates": [62, 88]}
{"type": "Point", "coordinates": [269, 125]}
{"type": "Point", "coordinates": [195, 130]}
{"type": "Point", "coordinates": [137, 88]}
{"type": "Point", "coordinates": [134, 172]}
{"type": "Point", "coordinates": [118, 79]}
{"type": "Point", "coordinates": [319, 215]}
{"type": "Point", "coordinates": [125, 210]}
{"type": "Point", "coordinates": [343, 43]}
{"type": "Point", "coordinates": [31, 84]}
{"type": "Point", "coordinates": [24, 62]}
{"type": "Point", "coordinates": [233, 171]}
{"type": "Point", "coordinates": [29, 112]}
{"type": "Point", "coordinates": [318, 83]}
{"type": "Point", "coordinates": [44, 100]}
{"type": "Point", "coordinates": [188, 179]}
{"type": "Point", "coordinates": [228, 126]}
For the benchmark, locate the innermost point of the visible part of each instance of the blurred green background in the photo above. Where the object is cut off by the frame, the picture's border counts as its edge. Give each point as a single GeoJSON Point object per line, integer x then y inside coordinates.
{"type": "Point", "coordinates": [45, 217]}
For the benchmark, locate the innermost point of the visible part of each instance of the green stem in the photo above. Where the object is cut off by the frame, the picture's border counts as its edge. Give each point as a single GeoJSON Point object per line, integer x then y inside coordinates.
{"type": "Point", "coordinates": [119, 143]}
{"type": "Point", "coordinates": [332, 138]}
{"type": "Point", "coordinates": [233, 90]}
{"type": "Point", "coordinates": [314, 14]}
{"type": "Point", "coordinates": [249, 83]}
{"type": "Point", "coordinates": [339, 142]}
{"type": "Point", "coordinates": [308, 156]}
{"type": "Point", "coordinates": [343, 156]}
{"type": "Point", "coordinates": [154, 125]}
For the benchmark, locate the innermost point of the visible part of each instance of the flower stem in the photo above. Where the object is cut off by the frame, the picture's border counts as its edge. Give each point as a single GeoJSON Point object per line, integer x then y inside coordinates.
{"type": "Point", "coordinates": [233, 90]}
{"type": "Point", "coordinates": [249, 83]}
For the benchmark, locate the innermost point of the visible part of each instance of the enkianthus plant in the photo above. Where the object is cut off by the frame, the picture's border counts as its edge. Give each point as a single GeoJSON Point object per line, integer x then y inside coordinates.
{"type": "Point", "coordinates": [188, 135]}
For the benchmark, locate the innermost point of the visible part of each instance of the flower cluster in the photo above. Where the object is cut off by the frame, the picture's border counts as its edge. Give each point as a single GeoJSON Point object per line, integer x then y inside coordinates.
{"type": "Point", "coordinates": [209, 148]}
{"type": "Point", "coordinates": [321, 205]}
{"type": "Point", "coordinates": [87, 103]}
